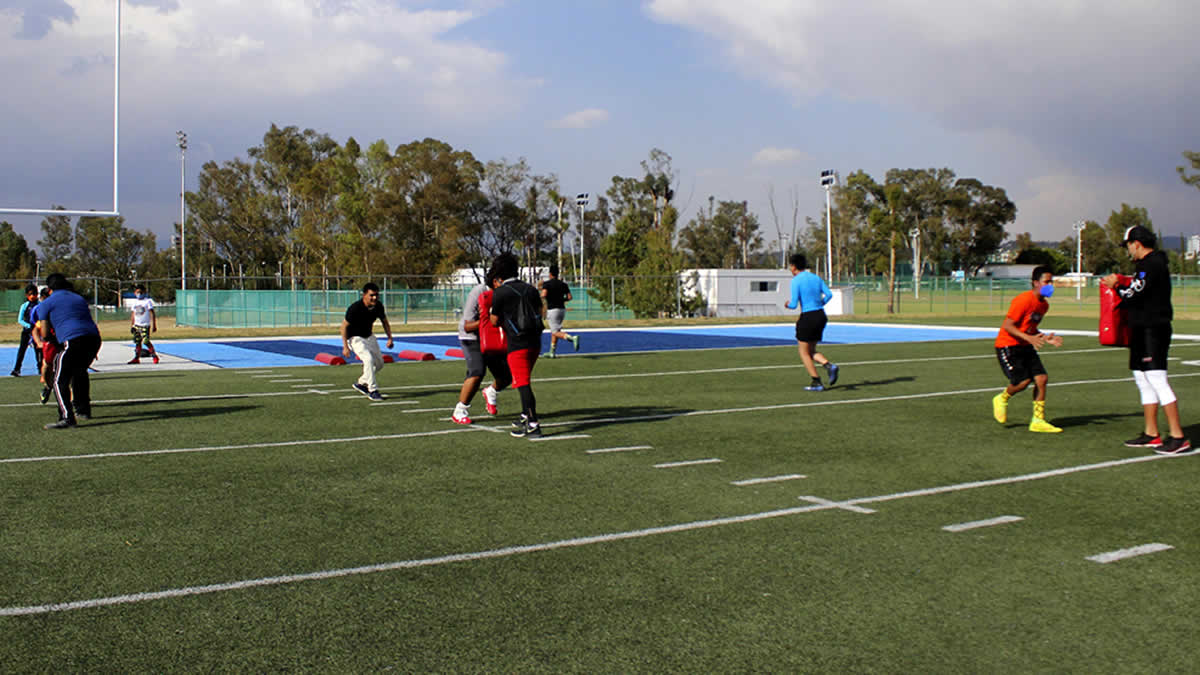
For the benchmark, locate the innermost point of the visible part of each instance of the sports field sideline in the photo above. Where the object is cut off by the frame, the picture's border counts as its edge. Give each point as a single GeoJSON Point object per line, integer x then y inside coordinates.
{"type": "Point", "coordinates": [687, 510]}
{"type": "Point", "coordinates": [301, 350]}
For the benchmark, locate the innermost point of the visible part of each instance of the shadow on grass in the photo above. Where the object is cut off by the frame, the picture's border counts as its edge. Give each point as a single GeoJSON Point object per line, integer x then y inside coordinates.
{"type": "Point", "coordinates": [853, 386]}
{"type": "Point", "coordinates": [594, 418]}
{"type": "Point", "coordinates": [105, 420]}
{"type": "Point", "coordinates": [1085, 420]}
{"type": "Point", "coordinates": [126, 376]}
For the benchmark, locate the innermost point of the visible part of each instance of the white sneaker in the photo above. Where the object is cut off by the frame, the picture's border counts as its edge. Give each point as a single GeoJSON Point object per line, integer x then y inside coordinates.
{"type": "Point", "coordinates": [462, 414]}
{"type": "Point", "coordinates": [489, 399]}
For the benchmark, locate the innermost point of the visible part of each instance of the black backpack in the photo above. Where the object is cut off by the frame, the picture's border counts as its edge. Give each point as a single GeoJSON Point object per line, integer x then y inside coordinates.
{"type": "Point", "coordinates": [526, 320]}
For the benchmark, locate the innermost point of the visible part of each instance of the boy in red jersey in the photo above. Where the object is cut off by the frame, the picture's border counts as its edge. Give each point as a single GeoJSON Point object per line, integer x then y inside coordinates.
{"type": "Point", "coordinates": [1017, 348]}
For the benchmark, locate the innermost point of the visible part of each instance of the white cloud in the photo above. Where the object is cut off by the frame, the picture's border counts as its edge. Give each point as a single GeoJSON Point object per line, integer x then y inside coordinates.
{"type": "Point", "coordinates": [581, 119]}
{"type": "Point", "coordinates": [1083, 78]}
{"type": "Point", "coordinates": [773, 155]}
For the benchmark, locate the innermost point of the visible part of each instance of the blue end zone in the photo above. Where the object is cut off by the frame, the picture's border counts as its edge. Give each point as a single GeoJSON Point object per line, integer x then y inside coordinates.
{"type": "Point", "coordinates": [302, 352]}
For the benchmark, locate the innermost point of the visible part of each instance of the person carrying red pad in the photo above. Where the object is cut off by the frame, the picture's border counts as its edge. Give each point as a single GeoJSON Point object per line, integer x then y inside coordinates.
{"type": "Point", "coordinates": [483, 348]}
{"type": "Point", "coordinates": [1147, 299]}
{"type": "Point", "coordinates": [517, 308]}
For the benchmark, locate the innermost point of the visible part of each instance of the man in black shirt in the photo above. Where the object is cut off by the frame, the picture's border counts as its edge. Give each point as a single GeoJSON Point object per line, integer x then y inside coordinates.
{"type": "Point", "coordinates": [1148, 300]}
{"type": "Point", "coordinates": [556, 294]}
{"type": "Point", "coordinates": [357, 336]}
{"type": "Point", "coordinates": [517, 309]}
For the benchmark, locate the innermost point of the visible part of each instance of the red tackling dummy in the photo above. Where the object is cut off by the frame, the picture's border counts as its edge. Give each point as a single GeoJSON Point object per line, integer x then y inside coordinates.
{"type": "Point", "coordinates": [491, 338]}
{"type": "Point", "coordinates": [1114, 324]}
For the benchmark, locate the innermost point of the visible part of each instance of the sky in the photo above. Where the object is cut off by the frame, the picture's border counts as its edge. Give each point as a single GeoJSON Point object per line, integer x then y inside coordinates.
{"type": "Point", "coordinates": [1073, 107]}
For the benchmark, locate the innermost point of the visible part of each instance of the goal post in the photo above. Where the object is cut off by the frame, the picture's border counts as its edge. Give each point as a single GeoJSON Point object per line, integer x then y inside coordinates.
{"type": "Point", "coordinates": [116, 165]}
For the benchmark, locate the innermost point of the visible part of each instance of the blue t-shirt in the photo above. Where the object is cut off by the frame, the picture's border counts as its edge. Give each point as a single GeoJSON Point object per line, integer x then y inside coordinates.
{"type": "Point", "coordinates": [68, 315]}
{"type": "Point", "coordinates": [809, 292]}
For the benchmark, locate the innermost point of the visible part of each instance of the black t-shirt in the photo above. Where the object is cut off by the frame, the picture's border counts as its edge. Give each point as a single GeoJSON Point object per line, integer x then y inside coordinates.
{"type": "Point", "coordinates": [1148, 298]}
{"type": "Point", "coordinates": [362, 319]}
{"type": "Point", "coordinates": [556, 293]}
{"type": "Point", "coordinates": [505, 301]}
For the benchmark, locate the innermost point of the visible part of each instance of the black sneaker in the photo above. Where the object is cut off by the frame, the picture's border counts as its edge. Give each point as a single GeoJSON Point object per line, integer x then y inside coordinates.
{"type": "Point", "coordinates": [61, 424]}
{"type": "Point", "coordinates": [375, 396]}
{"type": "Point", "coordinates": [527, 430]}
{"type": "Point", "coordinates": [362, 389]}
{"type": "Point", "coordinates": [1144, 441]}
{"type": "Point", "coordinates": [832, 368]}
{"type": "Point", "coordinates": [1174, 446]}
{"type": "Point", "coordinates": [15, 373]}
{"type": "Point", "coordinates": [83, 416]}
{"type": "Point", "coordinates": [45, 395]}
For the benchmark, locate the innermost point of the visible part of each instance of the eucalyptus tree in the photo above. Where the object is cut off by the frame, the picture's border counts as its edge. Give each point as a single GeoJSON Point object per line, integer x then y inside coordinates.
{"type": "Point", "coordinates": [58, 239]}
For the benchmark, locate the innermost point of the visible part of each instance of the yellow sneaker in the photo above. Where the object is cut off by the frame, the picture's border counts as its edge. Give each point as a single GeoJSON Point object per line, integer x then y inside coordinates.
{"type": "Point", "coordinates": [1042, 426]}
{"type": "Point", "coordinates": [1000, 408]}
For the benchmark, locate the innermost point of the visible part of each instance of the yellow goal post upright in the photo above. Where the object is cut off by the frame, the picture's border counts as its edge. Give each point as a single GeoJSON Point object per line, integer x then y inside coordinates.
{"type": "Point", "coordinates": [116, 210]}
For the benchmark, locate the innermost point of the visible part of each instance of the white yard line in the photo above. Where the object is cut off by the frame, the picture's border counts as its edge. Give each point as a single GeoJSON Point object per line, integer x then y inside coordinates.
{"type": "Point", "coordinates": [837, 505]}
{"type": "Point", "coordinates": [688, 462]}
{"type": "Point", "coordinates": [410, 402]}
{"type": "Point", "coordinates": [975, 524]}
{"type": "Point", "coordinates": [508, 551]}
{"type": "Point", "coordinates": [558, 437]}
{"type": "Point", "coordinates": [769, 479]}
{"type": "Point", "coordinates": [1114, 556]}
{"type": "Point", "coordinates": [628, 448]}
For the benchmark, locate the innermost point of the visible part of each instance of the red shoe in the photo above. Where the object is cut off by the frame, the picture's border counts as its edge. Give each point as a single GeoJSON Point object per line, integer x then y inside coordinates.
{"type": "Point", "coordinates": [155, 356]}
{"type": "Point", "coordinates": [489, 400]}
{"type": "Point", "coordinates": [460, 420]}
{"type": "Point", "coordinates": [134, 362]}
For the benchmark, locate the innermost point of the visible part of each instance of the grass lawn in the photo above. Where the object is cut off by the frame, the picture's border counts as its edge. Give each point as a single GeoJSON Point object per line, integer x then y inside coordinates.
{"type": "Point", "coordinates": [687, 511]}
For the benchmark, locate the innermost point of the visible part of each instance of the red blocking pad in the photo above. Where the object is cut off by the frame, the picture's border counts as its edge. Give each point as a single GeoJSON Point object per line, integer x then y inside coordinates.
{"type": "Point", "coordinates": [387, 358]}
{"type": "Point", "coordinates": [413, 355]}
{"type": "Point", "coordinates": [331, 359]}
{"type": "Point", "coordinates": [454, 351]}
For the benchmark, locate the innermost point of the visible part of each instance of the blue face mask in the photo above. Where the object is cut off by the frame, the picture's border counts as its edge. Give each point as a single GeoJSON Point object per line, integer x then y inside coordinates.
{"type": "Point", "coordinates": [1046, 290]}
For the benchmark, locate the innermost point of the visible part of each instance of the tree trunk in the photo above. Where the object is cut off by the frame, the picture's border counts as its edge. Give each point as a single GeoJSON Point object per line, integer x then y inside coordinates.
{"type": "Point", "coordinates": [891, 306]}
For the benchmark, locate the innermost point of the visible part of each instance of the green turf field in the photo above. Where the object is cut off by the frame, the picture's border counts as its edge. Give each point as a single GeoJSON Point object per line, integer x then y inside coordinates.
{"type": "Point", "coordinates": [220, 521]}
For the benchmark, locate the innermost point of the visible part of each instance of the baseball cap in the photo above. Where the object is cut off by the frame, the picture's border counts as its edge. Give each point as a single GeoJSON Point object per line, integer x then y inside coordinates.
{"type": "Point", "coordinates": [1139, 234]}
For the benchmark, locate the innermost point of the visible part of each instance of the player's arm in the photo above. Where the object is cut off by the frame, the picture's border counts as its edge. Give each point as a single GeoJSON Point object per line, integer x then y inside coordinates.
{"type": "Point", "coordinates": [1037, 339]}
{"type": "Point", "coordinates": [387, 328]}
{"type": "Point", "coordinates": [153, 321]}
{"type": "Point", "coordinates": [37, 333]}
{"type": "Point", "coordinates": [794, 302]}
{"type": "Point", "coordinates": [345, 338]}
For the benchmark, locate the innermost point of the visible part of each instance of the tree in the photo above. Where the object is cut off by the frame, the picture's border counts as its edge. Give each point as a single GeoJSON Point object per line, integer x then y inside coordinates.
{"type": "Point", "coordinates": [785, 243]}
{"type": "Point", "coordinates": [58, 239]}
{"type": "Point", "coordinates": [978, 214]}
{"type": "Point", "coordinates": [17, 261]}
{"type": "Point", "coordinates": [1194, 179]}
{"type": "Point", "coordinates": [233, 213]}
{"type": "Point", "coordinates": [1114, 230]}
{"type": "Point", "coordinates": [655, 286]}
{"type": "Point", "coordinates": [109, 250]}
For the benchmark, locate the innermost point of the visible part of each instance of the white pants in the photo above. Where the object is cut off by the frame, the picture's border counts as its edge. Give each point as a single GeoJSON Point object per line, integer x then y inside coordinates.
{"type": "Point", "coordinates": [367, 350]}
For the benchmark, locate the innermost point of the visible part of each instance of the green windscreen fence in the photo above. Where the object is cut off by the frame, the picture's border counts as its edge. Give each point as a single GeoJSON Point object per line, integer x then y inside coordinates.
{"type": "Point", "coordinates": [211, 308]}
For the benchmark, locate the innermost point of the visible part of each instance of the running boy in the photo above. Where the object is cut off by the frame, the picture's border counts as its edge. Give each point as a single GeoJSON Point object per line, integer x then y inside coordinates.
{"type": "Point", "coordinates": [1017, 347]}
{"type": "Point", "coordinates": [142, 322]}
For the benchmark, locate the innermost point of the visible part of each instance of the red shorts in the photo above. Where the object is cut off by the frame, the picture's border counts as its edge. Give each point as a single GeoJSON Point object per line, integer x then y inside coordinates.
{"type": "Point", "coordinates": [520, 362]}
{"type": "Point", "coordinates": [49, 350]}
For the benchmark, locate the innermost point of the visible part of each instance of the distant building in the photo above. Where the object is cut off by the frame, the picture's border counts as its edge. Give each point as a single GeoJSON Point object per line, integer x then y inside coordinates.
{"type": "Point", "coordinates": [1193, 247]}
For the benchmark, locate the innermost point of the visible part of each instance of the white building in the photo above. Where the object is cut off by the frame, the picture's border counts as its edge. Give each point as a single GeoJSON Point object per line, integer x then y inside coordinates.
{"type": "Point", "coordinates": [762, 292]}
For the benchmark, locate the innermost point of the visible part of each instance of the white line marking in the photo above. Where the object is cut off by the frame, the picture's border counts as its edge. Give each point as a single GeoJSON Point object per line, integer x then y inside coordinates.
{"type": "Point", "coordinates": [257, 372]}
{"type": "Point", "coordinates": [837, 505]}
{"type": "Point", "coordinates": [347, 398]}
{"type": "Point", "coordinates": [293, 379]}
{"type": "Point", "coordinates": [999, 520]}
{"type": "Point", "coordinates": [627, 448]}
{"type": "Point", "coordinates": [318, 391]}
{"type": "Point", "coordinates": [401, 402]}
{"type": "Point", "coordinates": [559, 437]}
{"type": "Point", "coordinates": [690, 462]}
{"type": "Point", "coordinates": [322, 384]}
{"type": "Point", "coordinates": [424, 410]}
{"type": "Point", "coordinates": [265, 375]}
{"type": "Point", "coordinates": [771, 479]}
{"type": "Point", "coordinates": [277, 444]}
{"type": "Point", "coordinates": [550, 546]}
{"type": "Point", "coordinates": [1113, 556]}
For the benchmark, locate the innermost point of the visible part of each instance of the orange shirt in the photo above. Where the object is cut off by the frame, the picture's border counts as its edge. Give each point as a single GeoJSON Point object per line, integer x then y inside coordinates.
{"type": "Point", "coordinates": [1026, 311]}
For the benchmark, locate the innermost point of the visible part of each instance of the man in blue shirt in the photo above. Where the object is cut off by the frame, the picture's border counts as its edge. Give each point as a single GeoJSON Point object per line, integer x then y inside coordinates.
{"type": "Point", "coordinates": [68, 314]}
{"type": "Point", "coordinates": [809, 294]}
{"type": "Point", "coordinates": [31, 301]}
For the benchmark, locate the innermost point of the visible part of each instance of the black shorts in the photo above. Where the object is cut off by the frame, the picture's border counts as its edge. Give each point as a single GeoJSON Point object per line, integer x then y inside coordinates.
{"type": "Point", "coordinates": [479, 363]}
{"type": "Point", "coordinates": [1020, 363]}
{"type": "Point", "coordinates": [1148, 346]}
{"type": "Point", "coordinates": [810, 326]}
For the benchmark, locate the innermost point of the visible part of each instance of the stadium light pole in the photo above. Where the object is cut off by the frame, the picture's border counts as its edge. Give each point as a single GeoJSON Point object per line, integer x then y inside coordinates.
{"type": "Point", "coordinates": [182, 138]}
{"type": "Point", "coordinates": [1078, 227]}
{"type": "Point", "coordinates": [828, 180]}
{"type": "Point", "coordinates": [581, 200]}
